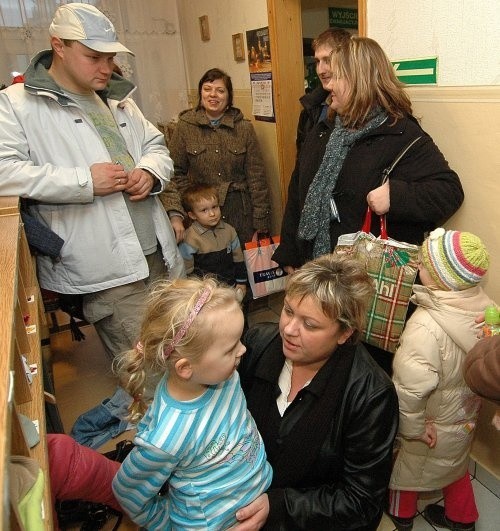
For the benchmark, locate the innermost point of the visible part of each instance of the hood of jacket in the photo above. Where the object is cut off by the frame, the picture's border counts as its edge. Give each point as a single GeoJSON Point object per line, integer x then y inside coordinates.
{"type": "Point", "coordinates": [198, 117]}
{"type": "Point", "coordinates": [315, 98]}
{"type": "Point", "coordinates": [38, 81]}
{"type": "Point", "coordinates": [454, 311]}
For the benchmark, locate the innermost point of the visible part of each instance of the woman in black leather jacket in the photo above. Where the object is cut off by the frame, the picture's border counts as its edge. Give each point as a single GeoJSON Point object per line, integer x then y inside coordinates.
{"type": "Point", "coordinates": [327, 413]}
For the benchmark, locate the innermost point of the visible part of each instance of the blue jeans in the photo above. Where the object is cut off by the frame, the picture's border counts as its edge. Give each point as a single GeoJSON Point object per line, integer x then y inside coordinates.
{"type": "Point", "coordinates": [103, 422]}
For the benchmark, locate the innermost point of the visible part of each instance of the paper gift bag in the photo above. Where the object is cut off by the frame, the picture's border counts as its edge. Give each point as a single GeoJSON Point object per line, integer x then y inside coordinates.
{"type": "Point", "coordinates": [393, 266]}
{"type": "Point", "coordinates": [264, 275]}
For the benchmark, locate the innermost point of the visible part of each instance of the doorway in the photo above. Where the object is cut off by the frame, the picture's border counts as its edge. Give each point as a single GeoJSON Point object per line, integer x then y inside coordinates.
{"type": "Point", "coordinates": [285, 31]}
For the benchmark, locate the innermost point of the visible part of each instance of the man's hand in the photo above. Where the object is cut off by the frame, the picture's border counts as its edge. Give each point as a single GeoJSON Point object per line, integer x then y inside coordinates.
{"type": "Point", "coordinates": [178, 226]}
{"type": "Point", "coordinates": [379, 199]}
{"type": "Point", "coordinates": [253, 516]}
{"type": "Point", "coordinates": [140, 182]}
{"type": "Point", "coordinates": [108, 178]}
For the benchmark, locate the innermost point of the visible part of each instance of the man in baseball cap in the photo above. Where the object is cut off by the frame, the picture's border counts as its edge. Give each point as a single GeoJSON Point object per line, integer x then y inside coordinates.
{"type": "Point", "coordinates": [86, 24]}
{"type": "Point", "coordinates": [74, 141]}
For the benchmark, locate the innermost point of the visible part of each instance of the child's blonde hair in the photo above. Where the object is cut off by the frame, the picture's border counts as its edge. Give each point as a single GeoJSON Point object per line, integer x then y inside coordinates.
{"type": "Point", "coordinates": [173, 327]}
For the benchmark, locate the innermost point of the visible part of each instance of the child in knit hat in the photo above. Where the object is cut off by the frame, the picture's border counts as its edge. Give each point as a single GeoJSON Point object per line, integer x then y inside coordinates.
{"type": "Point", "coordinates": [437, 411]}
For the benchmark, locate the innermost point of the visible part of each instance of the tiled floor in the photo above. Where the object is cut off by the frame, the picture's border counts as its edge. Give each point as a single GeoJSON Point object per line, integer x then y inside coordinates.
{"type": "Point", "coordinates": [83, 378]}
{"type": "Point", "coordinates": [488, 505]}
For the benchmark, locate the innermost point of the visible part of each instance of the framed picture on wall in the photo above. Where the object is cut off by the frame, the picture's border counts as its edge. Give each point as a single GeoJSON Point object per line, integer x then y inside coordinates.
{"type": "Point", "coordinates": [204, 28]}
{"type": "Point", "coordinates": [238, 47]}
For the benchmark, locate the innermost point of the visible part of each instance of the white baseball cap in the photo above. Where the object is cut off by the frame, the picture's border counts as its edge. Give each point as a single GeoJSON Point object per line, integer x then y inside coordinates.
{"type": "Point", "coordinates": [86, 24]}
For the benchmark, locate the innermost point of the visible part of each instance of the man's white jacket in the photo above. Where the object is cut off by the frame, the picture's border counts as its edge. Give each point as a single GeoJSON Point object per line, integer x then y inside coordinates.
{"type": "Point", "coordinates": [47, 145]}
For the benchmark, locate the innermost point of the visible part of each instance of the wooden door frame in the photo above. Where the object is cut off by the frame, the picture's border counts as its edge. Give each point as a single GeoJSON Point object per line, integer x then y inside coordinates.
{"type": "Point", "coordinates": [285, 34]}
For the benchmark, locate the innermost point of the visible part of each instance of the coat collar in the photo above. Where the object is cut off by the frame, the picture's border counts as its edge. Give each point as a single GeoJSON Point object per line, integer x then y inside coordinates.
{"type": "Point", "coordinates": [200, 229]}
{"type": "Point", "coordinates": [198, 117]}
{"type": "Point", "coordinates": [270, 368]}
{"type": "Point", "coordinates": [387, 128]}
{"type": "Point", "coordinates": [38, 81]}
{"type": "Point", "coordinates": [314, 98]}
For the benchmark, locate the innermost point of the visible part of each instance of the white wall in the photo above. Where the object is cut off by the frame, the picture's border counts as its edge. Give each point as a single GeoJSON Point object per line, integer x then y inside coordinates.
{"type": "Point", "coordinates": [462, 112]}
{"type": "Point", "coordinates": [151, 30]}
{"type": "Point", "coordinates": [463, 34]}
{"type": "Point", "coordinates": [225, 18]}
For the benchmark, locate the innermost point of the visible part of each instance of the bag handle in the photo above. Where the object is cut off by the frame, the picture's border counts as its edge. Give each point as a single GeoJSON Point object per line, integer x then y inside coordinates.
{"type": "Point", "coordinates": [388, 170]}
{"type": "Point", "coordinates": [264, 235]}
{"type": "Point", "coordinates": [367, 224]}
{"type": "Point", "coordinates": [261, 238]}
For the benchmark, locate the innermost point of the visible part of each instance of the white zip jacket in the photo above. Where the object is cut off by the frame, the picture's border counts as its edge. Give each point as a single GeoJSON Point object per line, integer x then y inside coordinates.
{"type": "Point", "coordinates": [47, 145]}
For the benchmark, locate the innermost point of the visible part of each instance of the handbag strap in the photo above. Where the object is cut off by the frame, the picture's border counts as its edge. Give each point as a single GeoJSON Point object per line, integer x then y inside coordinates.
{"type": "Point", "coordinates": [367, 223]}
{"type": "Point", "coordinates": [388, 170]}
{"type": "Point", "coordinates": [260, 239]}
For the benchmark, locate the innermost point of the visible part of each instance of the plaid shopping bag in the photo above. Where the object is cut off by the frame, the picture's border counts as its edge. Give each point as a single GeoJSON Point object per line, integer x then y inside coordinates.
{"type": "Point", "coordinates": [393, 266]}
{"type": "Point", "coordinates": [264, 275]}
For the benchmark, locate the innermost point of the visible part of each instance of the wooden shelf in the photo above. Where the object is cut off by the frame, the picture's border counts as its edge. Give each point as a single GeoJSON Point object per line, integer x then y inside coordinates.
{"type": "Point", "coordinates": [20, 328]}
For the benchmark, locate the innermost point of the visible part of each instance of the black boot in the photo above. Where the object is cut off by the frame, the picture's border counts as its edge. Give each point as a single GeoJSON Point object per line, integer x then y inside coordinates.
{"type": "Point", "coordinates": [434, 514]}
{"type": "Point", "coordinates": [402, 524]}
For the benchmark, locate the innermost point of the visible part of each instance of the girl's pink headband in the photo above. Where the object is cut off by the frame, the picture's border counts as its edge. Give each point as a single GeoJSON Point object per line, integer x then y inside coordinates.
{"type": "Point", "coordinates": [188, 322]}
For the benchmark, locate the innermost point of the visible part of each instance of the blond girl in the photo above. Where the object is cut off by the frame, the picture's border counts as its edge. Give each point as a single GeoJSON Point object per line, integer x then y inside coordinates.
{"type": "Point", "coordinates": [197, 439]}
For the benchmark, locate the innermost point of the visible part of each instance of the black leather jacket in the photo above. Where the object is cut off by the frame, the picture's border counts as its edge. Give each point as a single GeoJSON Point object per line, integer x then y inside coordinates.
{"type": "Point", "coordinates": [344, 486]}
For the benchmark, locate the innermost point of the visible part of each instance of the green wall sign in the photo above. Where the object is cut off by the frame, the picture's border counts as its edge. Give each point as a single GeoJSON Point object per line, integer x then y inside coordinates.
{"type": "Point", "coordinates": [343, 17]}
{"type": "Point", "coordinates": [417, 71]}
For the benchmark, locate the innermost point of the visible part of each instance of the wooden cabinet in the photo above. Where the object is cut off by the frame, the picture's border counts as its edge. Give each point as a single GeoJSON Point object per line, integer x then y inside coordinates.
{"type": "Point", "coordinates": [21, 315]}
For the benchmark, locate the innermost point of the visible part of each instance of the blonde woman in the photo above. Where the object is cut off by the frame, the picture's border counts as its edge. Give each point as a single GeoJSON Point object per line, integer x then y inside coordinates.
{"type": "Point", "coordinates": [327, 413]}
{"type": "Point", "coordinates": [339, 171]}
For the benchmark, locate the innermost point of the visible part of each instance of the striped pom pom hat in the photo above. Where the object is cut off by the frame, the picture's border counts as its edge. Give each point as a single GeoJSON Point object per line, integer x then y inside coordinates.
{"type": "Point", "coordinates": [455, 260]}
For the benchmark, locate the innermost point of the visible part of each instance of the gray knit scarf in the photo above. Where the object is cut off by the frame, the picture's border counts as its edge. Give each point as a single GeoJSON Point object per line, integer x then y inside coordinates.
{"type": "Point", "coordinates": [316, 215]}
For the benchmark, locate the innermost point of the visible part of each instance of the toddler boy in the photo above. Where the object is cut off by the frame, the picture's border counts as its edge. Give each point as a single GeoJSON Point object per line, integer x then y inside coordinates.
{"type": "Point", "coordinates": [211, 245]}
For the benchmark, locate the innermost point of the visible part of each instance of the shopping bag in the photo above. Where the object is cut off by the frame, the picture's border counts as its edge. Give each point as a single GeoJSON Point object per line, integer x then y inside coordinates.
{"type": "Point", "coordinates": [393, 266]}
{"type": "Point", "coordinates": [264, 275]}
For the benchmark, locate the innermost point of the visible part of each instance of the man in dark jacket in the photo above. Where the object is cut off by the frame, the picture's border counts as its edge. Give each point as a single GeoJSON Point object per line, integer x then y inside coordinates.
{"type": "Point", "coordinates": [314, 104]}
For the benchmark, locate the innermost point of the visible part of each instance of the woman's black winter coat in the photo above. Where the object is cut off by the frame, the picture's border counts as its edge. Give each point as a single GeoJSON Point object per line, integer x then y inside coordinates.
{"type": "Point", "coordinates": [424, 191]}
